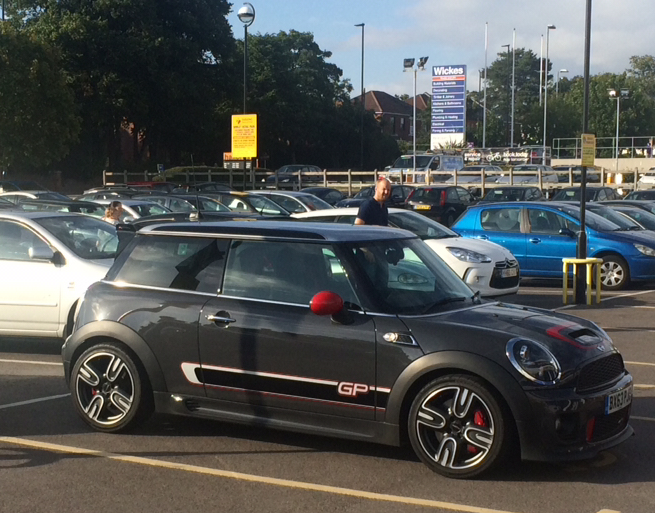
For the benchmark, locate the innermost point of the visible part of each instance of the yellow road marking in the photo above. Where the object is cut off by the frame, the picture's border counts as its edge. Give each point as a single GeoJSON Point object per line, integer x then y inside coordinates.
{"type": "Point", "coordinates": [312, 487]}
{"type": "Point", "coordinates": [641, 363]}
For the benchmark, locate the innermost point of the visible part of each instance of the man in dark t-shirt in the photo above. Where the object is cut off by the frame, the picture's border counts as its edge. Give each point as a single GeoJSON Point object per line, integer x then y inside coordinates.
{"type": "Point", "coordinates": [373, 210]}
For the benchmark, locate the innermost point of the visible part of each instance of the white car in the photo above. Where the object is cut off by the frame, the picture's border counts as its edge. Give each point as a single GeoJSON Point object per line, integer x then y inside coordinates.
{"type": "Point", "coordinates": [295, 201]}
{"type": "Point", "coordinates": [548, 175]}
{"type": "Point", "coordinates": [648, 178]}
{"type": "Point", "coordinates": [134, 209]}
{"type": "Point", "coordinates": [484, 266]}
{"type": "Point", "coordinates": [48, 260]}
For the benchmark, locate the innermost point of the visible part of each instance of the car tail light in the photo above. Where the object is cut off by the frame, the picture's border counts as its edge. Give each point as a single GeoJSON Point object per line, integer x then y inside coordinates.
{"type": "Point", "coordinates": [442, 202]}
{"type": "Point", "coordinates": [590, 429]}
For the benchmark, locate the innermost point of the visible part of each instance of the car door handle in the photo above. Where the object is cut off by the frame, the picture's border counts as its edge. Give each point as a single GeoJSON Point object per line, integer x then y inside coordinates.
{"type": "Point", "coordinates": [536, 240]}
{"type": "Point", "coordinates": [221, 318]}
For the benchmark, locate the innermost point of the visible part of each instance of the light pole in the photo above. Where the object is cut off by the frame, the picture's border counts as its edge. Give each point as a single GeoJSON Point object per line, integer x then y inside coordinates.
{"type": "Point", "coordinates": [408, 64]}
{"type": "Point", "coordinates": [484, 101]}
{"type": "Point", "coordinates": [247, 16]}
{"type": "Point", "coordinates": [363, 104]}
{"type": "Point", "coordinates": [557, 83]}
{"type": "Point", "coordinates": [508, 93]}
{"type": "Point", "coordinates": [511, 138]}
{"type": "Point", "coordinates": [616, 94]}
{"type": "Point", "coordinates": [550, 27]}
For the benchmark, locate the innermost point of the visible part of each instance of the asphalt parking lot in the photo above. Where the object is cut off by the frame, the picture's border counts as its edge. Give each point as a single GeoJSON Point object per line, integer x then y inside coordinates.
{"type": "Point", "coordinates": [50, 460]}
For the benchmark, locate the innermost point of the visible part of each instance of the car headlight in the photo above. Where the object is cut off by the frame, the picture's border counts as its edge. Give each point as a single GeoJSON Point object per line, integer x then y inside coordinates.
{"type": "Point", "coordinates": [466, 255]}
{"type": "Point", "coordinates": [534, 361]}
{"type": "Point", "coordinates": [645, 249]}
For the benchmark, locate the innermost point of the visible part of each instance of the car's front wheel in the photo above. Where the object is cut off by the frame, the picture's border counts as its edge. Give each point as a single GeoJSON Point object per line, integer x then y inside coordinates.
{"type": "Point", "coordinates": [110, 391]}
{"type": "Point", "coordinates": [457, 427]}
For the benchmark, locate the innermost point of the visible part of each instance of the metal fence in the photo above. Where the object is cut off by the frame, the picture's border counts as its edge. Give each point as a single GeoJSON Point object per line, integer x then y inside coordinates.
{"type": "Point", "coordinates": [629, 147]}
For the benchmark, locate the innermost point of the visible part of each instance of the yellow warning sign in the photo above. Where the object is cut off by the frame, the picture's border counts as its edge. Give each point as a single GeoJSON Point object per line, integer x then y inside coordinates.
{"type": "Point", "coordinates": [244, 136]}
{"type": "Point", "coordinates": [588, 149]}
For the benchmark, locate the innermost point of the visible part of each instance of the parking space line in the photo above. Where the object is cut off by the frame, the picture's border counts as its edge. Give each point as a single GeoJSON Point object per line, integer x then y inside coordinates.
{"type": "Point", "coordinates": [645, 387]}
{"type": "Point", "coordinates": [31, 362]}
{"type": "Point", "coordinates": [649, 419]}
{"type": "Point", "coordinates": [32, 401]}
{"type": "Point", "coordinates": [641, 363]}
{"type": "Point", "coordinates": [300, 485]}
{"type": "Point", "coordinates": [567, 307]}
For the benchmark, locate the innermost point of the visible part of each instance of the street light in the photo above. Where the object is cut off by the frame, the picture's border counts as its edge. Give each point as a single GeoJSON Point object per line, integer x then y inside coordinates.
{"type": "Point", "coordinates": [247, 16]}
{"type": "Point", "coordinates": [550, 27]}
{"type": "Point", "coordinates": [508, 93]}
{"type": "Point", "coordinates": [557, 83]}
{"type": "Point", "coordinates": [408, 64]}
{"type": "Point", "coordinates": [363, 103]}
{"type": "Point", "coordinates": [616, 94]}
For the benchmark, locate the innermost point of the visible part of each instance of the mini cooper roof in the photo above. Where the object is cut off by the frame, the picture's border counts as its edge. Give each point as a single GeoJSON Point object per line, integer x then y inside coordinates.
{"type": "Point", "coordinates": [332, 232]}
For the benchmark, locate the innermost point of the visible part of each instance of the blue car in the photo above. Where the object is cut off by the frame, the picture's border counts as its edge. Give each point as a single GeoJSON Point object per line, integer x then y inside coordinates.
{"type": "Point", "coordinates": [540, 234]}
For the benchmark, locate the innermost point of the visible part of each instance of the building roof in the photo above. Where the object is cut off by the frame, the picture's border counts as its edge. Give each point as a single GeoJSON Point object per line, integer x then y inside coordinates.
{"type": "Point", "coordinates": [384, 103]}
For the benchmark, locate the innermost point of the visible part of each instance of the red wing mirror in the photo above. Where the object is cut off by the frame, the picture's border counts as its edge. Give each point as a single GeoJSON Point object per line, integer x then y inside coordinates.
{"type": "Point", "coordinates": [326, 303]}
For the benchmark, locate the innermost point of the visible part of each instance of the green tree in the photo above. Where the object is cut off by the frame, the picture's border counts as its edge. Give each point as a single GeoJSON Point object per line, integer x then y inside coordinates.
{"type": "Point", "coordinates": [38, 120]}
{"type": "Point", "coordinates": [151, 65]}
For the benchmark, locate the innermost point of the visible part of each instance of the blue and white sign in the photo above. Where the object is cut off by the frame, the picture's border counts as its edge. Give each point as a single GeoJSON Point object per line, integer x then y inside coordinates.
{"type": "Point", "coordinates": [448, 106]}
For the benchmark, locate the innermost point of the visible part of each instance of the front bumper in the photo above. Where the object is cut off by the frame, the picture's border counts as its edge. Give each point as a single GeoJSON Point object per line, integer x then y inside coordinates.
{"type": "Point", "coordinates": [570, 426]}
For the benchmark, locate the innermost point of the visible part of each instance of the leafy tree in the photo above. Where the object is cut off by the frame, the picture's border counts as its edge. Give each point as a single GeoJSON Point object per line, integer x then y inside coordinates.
{"type": "Point", "coordinates": [38, 120]}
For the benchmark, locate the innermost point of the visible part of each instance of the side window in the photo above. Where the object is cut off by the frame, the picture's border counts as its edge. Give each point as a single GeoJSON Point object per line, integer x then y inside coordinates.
{"type": "Point", "coordinates": [546, 222]}
{"type": "Point", "coordinates": [464, 196]}
{"type": "Point", "coordinates": [346, 219]}
{"type": "Point", "coordinates": [333, 196]}
{"type": "Point", "coordinates": [434, 165]}
{"type": "Point", "coordinates": [501, 219]}
{"type": "Point", "coordinates": [601, 195]}
{"type": "Point", "coordinates": [452, 196]}
{"type": "Point", "coordinates": [397, 193]}
{"type": "Point", "coordinates": [287, 272]}
{"type": "Point", "coordinates": [16, 241]}
{"type": "Point", "coordinates": [175, 262]}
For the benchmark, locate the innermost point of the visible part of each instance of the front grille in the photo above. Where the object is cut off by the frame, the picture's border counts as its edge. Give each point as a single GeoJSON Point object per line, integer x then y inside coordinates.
{"type": "Point", "coordinates": [497, 281]}
{"type": "Point", "coordinates": [606, 426]}
{"type": "Point", "coordinates": [600, 372]}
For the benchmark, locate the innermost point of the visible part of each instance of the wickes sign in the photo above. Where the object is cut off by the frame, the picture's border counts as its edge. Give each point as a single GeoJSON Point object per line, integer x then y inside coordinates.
{"type": "Point", "coordinates": [444, 71]}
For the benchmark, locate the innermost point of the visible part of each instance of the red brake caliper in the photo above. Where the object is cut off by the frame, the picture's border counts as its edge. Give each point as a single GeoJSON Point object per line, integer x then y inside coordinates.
{"type": "Point", "coordinates": [479, 420]}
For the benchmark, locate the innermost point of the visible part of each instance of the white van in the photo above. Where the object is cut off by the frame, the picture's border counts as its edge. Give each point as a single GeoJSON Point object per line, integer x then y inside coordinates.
{"type": "Point", "coordinates": [426, 163]}
{"type": "Point", "coordinates": [647, 178]}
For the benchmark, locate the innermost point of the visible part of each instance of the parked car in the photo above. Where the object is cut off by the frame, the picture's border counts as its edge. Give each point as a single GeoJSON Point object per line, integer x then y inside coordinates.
{"type": "Point", "coordinates": [80, 207]}
{"type": "Point", "coordinates": [201, 202]}
{"type": "Point", "coordinates": [289, 175]}
{"type": "Point", "coordinates": [295, 201]}
{"type": "Point", "coordinates": [154, 186]}
{"type": "Point", "coordinates": [648, 205]}
{"type": "Point", "coordinates": [397, 198]}
{"type": "Point", "coordinates": [591, 194]}
{"type": "Point", "coordinates": [487, 268]}
{"type": "Point", "coordinates": [248, 202]}
{"type": "Point", "coordinates": [441, 203]}
{"type": "Point", "coordinates": [647, 178]}
{"type": "Point", "coordinates": [6, 204]}
{"type": "Point", "coordinates": [20, 185]}
{"type": "Point", "coordinates": [548, 174]}
{"type": "Point", "coordinates": [18, 196]}
{"type": "Point", "coordinates": [359, 333]}
{"type": "Point", "coordinates": [518, 193]}
{"type": "Point", "coordinates": [204, 187]}
{"type": "Point", "coordinates": [173, 203]}
{"type": "Point", "coordinates": [648, 194]}
{"type": "Point", "coordinates": [565, 173]}
{"type": "Point", "coordinates": [48, 260]}
{"type": "Point", "coordinates": [327, 194]}
{"type": "Point", "coordinates": [491, 174]}
{"type": "Point", "coordinates": [438, 165]}
{"type": "Point", "coordinates": [111, 194]}
{"type": "Point", "coordinates": [623, 222]}
{"type": "Point", "coordinates": [134, 209]}
{"type": "Point", "coordinates": [539, 234]}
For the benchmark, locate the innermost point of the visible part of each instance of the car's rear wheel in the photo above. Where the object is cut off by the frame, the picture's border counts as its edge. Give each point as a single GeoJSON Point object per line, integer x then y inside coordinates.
{"type": "Point", "coordinates": [614, 273]}
{"type": "Point", "coordinates": [109, 389]}
{"type": "Point", "coordinates": [457, 427]}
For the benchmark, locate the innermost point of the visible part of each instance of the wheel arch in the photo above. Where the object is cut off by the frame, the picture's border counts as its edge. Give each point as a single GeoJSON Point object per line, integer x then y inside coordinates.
{"type": "Point", "coordinates": [127, 339]}
{"type": "Point", "coordinates": [432, 366]}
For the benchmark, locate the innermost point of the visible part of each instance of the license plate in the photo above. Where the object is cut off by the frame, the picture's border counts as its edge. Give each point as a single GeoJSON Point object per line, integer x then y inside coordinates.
{"type": "Point", "coordinates": [618, 400]}
{"type": "Point", "coordinates": [508, 273]}
{"type": "Point", "coordinates": [423, 207]}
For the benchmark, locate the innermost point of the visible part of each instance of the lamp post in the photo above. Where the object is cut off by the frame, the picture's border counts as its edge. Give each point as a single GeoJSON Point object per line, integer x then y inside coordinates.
{"type": "Point", "coordinates": [247, 16]}
{"type": "Point", "coordinates": [508, 93]}
{"type": "Point", "coordinates": [363, 104]}
{"type": "Point", "coordinates": [557, 83]}
{"type": "Point", "coordinates": [408, 64]}
{"type": "Point", "coordinates": [550, 27]}
{"type": "Point", "coordinates": [484, 101]}
{"type": "Point", "coordinates": [511, 138]}
{"type": "Point", "coordinates": [616, 94]}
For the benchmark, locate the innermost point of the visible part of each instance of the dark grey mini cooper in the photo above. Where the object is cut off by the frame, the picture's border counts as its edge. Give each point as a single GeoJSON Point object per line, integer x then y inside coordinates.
{"type": "Point", "coordinates": [354, 332]}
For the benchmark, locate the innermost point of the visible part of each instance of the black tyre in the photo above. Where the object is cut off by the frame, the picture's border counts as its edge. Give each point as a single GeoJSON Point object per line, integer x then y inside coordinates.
{"type": "Point", "coordinates": [110, 391]}
{"type": "Point", "coordinates": [450, 219]}
{"type": "Point", "coordinates": [458, 428]}
{"type": "Point", "coordinates": [614, 273]}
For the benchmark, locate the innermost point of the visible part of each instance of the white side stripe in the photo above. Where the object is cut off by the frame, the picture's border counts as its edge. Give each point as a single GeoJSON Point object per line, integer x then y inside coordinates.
{"type": "Point", "coordinates": [32, 401]}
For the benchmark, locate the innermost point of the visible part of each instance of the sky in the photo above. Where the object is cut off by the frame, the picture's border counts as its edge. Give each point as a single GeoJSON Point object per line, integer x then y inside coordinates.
{"type": "Point", "coordinates": [453, 32]}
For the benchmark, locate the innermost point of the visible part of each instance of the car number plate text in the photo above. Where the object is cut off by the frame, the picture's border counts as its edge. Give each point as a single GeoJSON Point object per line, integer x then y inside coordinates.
{"type": "Point", "coordinates": [423, 207]}
{"type": "Point", "coordinates": [508, 273]}
{"type": "Point", "coordinates": [618, 400]}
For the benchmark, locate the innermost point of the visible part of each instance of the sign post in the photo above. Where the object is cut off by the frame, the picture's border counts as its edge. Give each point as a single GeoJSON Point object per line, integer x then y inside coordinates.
{"type": "Point", "coordinates": [588, 149]}
{"type": "Point", "coordinates": [244, 136]}
{"type": "Point", "coordinates": [448, 106]}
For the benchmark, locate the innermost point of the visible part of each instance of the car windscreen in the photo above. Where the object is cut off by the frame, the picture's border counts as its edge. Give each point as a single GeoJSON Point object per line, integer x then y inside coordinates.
{"type": "Point", "coordinates": [420, 225]}
{"type": "Point", "coordinates": [611, 215]}
{"type": "Point", "coordinates": [499, 194]}
{"type": "Point", "coordinates": [427, 194]}
{"type": "Point", "coordinates": [148, 209]}
{"type": "Point", "coordinates": [573, 194]}
{"type": "Point", "coordinates": [405, 277]}
{"type": "Point", "coordinates": [592, 220]}
{"type": "Point", "coordinates": [86, 236]}
{"type": "Point", "coordinates": [408, 161]}
{"type": "Point", "coordinates": [265, 206]}
{"type": "Point", "coordinates": [313, 202]}
{"type": "Point", "coordinates": [641, 216]}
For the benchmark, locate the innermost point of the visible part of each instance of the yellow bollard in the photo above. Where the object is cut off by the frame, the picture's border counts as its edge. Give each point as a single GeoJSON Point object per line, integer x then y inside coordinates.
{"type": "Point", "coordinates": [592, 264]}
